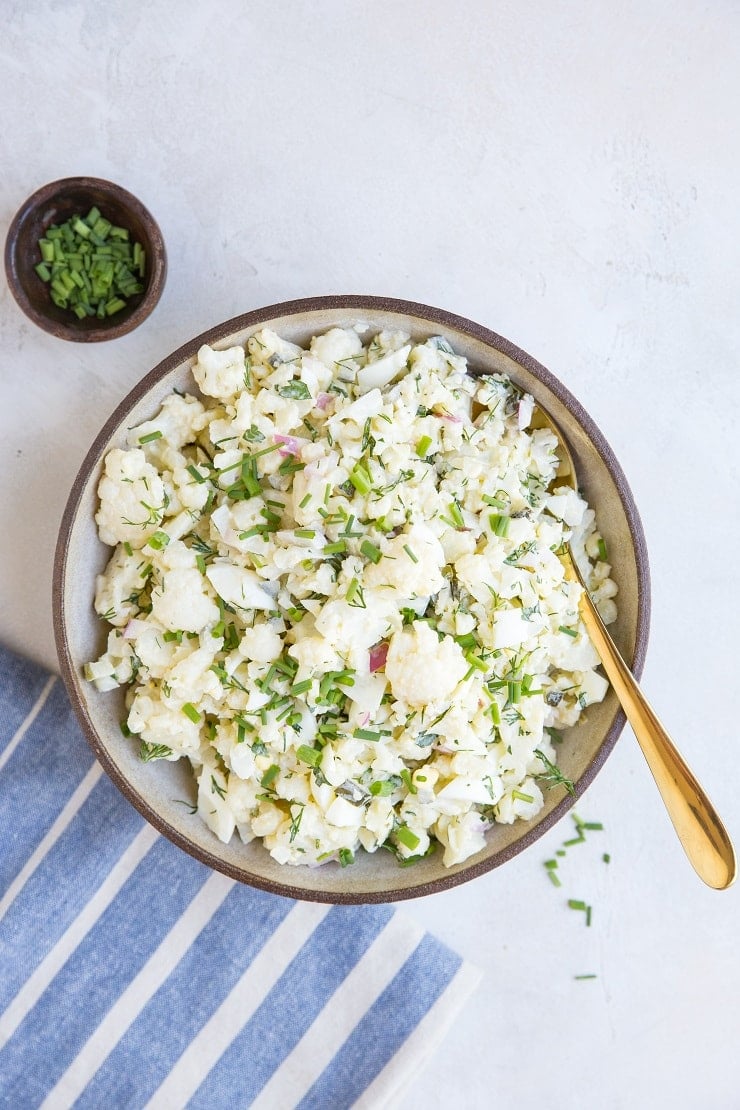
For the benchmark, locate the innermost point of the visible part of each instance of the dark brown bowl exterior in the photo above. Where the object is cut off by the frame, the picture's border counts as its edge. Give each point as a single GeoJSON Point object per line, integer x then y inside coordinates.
{"type": "Point", "coordinates": [55, 203]}
{"type": "Point", "coordinates": [155, 789]}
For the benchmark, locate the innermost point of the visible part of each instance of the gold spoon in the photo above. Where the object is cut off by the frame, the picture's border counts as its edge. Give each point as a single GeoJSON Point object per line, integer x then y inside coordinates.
{"type": "Point", "coordinates": [702, 834]}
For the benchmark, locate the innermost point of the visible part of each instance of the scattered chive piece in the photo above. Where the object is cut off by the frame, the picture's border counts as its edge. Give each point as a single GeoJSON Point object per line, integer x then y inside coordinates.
{"type": "Point", "coordinates": [554, 879]}
{"type": "Point", "coordinates": [195, 473]}
{"type": "Point", "coordinates": [601, 546]}
{"type": "Point", "coordinates": [269, 776]}
{"type": "Point", "coordinates": [127, 547]}
{"type": "Point", "coordinates": [408, 838]}
{"type": "Point", "coordinates": [455, 515]}
{"type": "Point", "coordinates": [568, 631]}
{"type": "Point", "coordinates": [158, 540]}
{"type": "Point", "coordinates": [521, 797]}
{"type": "Point", "coordinates": [560, 852]}
{"type": "Point", "coordinates": [305, 501]}
{"type": "Point", "coordinates": [335, 548]}
{"type": "Point", "coordinates": [150, 437]}
{"type": "Point", "coordinates": [305, 533]}
{"type": "Point", "coordinates": [595, 826]}
{"type": "Point", "coordinates": [381, 788]}
{"type": "Point", "coordinates": [366, 734]}
{"type": "Point", "coordinates": [408, 782]}
{"type": "Point", "coordinates": [190, 711]}
{"type": "Point", "coordinates": [312, 756]}
{"type": "Point", "coordinates": [500, 524]}
{"type": "Point", "coordinates": [410, 553]}
{"type": "Point", "coordinates": [360, 478]}
{"type": "Point", "coordinates": [515, 691]}
{"type": "Point", "coordinates": [423, 446]}
{"type": "Point", "coordinates": [606, 857]}
{"type": "Point", "coordinates": [574, 840]}
{"type": "Point", "coordinates": [575, 904]}
{"type": "Point", "coordinates": [588, 915]}
{"type": "Point", "coordinates": [370, 551]}
{"type": "Point", "coordinates": [585, 976]}
{"type": "Point", "coordinates": [551, 863]}
{"type": "Point", "coordinates": [301, 687]}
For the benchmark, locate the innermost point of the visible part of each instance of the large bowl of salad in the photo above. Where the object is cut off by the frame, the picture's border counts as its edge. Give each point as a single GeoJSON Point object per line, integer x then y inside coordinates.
{"type": "Point", "coordinates": [310, 607]}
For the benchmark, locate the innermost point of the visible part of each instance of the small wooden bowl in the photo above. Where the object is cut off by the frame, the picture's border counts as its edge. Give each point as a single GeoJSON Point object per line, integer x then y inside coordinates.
{"type": "Point", "coordinates": [54, 204]}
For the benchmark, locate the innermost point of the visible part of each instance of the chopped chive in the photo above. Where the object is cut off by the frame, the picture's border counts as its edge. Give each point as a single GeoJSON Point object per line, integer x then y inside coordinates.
{"type": "Point", "coordinates": [606, 857]}
{"type": "Point", "coordinates": [408, 782]}
{"type": "Point", "coordinates": [585, 977]}
{"type": "Point", "coordinates": [312, 756]}
{"type": "Point", "coordinates": [158, 540]}
{"type": "Point", "coordinates": [301, 687]}
{"type": "Point", "coordinates": [302, 504]}
{"type": "Point", "coordinates": [360, 479]}
{"type": "Point", "coordinates": [554, 879]}
{"type": "Point", "coordinates": [305, 533]}
{"type": "Point", "coordinates": [520, 796]}
{"type": "Point", "coordinates": [370, 551]}
{"type": "Point", "coordinates": [575, 904]}
{"type": "Point", "coordinates": [423, 446]}
{"type": "Point", "coordinates": [190, 711]}
{"type": "Point", "coordinates": [601, 547]}
{"type": "Point", "coordinates": [128, 548]}
{"type": "Point", "coordinates": [195, 473]}
{"type": "Point", "coordinates": [568, 631]}
{"type": "Point", "coordinates": [593, 826]}
{"type": "Point", "coordinates": [150, 437]}
{"type": "Point", "coordinates": [269, 776]}
{"type": "Point", "coordinates": [515, 691]}
{"type": "Point", "coordinates": [346, 857]}
{"type": "Point", "coordinates": [551, 863]}
{"type": "Point", "coordinates": [366, 734]}
{"type": "Point", "coordinates": [408, 838]}
{"type": "Point", "coordinates": [494, 502]}
{"type": "Point", "coordinates": [172, 637]}
{"type": "Point", "coordinates": [476, 662]}
{"type": "Point", "coordinates": [383, 788]}
{"type": "Point", "coordinates": [456, 515]}
{"type": "Point", "coordinates": [410, 553]}
{"type": "Point", "coordinates": [588, 915]}
{"type": "Point", "coordinates": [500, 524]}
{"type": "Point", "coordinates": [335, 548]}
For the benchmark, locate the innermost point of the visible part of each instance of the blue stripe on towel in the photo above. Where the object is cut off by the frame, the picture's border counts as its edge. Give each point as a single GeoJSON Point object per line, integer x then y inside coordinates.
{"type": "Point", "coordinates": [103, 965]}
{"type": "Point", "coordinates": [37, 780]}
{"type": "Point", "coordinates": [196, 988]}
{"type": "Point", "coordinates": [21, 685]}
{"type": "Point", "coordinates": [385, 1026]}
{"type": "Point", "coordinates": [336, 946]}
{"type": "Point", "coordinates": [63, 881]}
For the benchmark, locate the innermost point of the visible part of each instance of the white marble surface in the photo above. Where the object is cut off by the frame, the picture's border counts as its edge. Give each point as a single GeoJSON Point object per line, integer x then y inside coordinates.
{"type": "Point", "coordinates": [565, 174]}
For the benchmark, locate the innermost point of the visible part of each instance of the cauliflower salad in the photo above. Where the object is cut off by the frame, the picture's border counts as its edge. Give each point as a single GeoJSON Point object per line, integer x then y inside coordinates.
{"type": "Point", "coordinates": [336, 591]}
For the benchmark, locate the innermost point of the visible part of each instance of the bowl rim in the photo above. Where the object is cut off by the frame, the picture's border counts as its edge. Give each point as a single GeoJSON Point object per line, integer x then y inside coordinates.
{"type": "Point", "coordinates": [372, 304]}
{"type": "Point", "coordinates": [107, 329]}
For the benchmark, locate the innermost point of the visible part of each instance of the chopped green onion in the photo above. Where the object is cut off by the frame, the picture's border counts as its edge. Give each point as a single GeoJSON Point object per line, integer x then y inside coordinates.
{"type": "Point", "coordinates": [301, 687]}
{"type": "Point", "coordinates": [382, 788]}
{"type": "Point", "coordinates": [150, 437]}
{"type": "Point", "coordinates": [190, 711]}
{"type": "Point", "coordinates": [601, 547]}
{"type": "Point", "coordinates": [554, 879]}
{"type": "Point", "coordinates": [305, 533]}
{"type": "Point", "coordinates": [408, 782]}
{"type": "Point", "coordinates": [302, 504]}
{"type": "Point", "coordinates": [476, 662]}
{"type": "Point", "coordinates": [423, 446]}
{"type": "Point", "coordinates": [575, 904]}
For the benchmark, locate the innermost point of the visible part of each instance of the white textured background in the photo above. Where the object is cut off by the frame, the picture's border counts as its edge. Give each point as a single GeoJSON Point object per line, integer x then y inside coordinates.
{"type": "Point", "coordinates": [567, 175]}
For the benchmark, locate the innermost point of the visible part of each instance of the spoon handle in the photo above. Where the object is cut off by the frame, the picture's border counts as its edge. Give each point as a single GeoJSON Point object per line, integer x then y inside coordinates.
{"type": "Point", "coordinates": [694, 818]}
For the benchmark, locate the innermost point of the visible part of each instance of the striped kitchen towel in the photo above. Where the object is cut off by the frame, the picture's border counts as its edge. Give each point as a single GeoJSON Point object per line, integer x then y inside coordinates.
{"type": "Point", "coordinates": [132, 976]}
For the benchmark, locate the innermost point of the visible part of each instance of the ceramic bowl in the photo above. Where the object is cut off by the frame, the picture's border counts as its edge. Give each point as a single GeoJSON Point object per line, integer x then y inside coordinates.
{"type": "Point", "coordinates": [54, 204]}
{"type": "Point", "coordinates": [154, 788]}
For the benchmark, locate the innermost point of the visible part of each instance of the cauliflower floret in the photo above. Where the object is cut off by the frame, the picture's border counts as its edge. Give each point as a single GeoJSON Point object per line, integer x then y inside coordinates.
{"type": "Point", "coordinates": [336, 345]}
{"type": "Point", "coordinates": [423, 670]}
{"type": "Point", "coordinates": [132, 499]}
{"type": "Point", "coordinates": [180, 602]}
{"type": "Point", "coordinates": [220, 373]}
{"type": "Point", "coordinates": [411, 563]}
{"type": "Point", "coordinates": [261, 643]}
{"type": "Point", "coordinates": [178, 421]}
